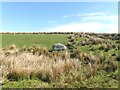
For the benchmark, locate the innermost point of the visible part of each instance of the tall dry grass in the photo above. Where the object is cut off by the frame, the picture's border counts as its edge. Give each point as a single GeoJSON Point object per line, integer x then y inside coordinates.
{"type": "Point", "coordinates": [27, 65]}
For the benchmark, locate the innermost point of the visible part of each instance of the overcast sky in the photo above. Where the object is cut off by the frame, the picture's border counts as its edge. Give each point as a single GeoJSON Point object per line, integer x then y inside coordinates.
{"type": "Point", "coordinates": [60, 17]}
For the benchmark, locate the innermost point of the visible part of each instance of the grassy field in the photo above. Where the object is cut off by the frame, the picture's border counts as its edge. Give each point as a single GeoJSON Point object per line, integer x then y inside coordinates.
{"type": "Point", "coordinates": [28, 40]}
{"type": "Point", "coordinates": [88, 62]}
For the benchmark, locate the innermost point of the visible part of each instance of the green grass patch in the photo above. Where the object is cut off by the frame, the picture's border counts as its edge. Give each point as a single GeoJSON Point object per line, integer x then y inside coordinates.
{"type": "Point", "coordinates": [25, 84]}
{"type": "Point", "coordinates": [27, 40]}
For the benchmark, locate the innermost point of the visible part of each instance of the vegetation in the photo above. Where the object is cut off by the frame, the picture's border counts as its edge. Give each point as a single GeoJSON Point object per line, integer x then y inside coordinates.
{"type": "Point", "coordinates": [27, 40]}
{"type": "Point", "coordinates": [91, 61]}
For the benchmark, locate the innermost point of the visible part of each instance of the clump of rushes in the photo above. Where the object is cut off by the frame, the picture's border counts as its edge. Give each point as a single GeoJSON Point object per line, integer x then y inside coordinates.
{"type": "Point", "coordinates": [70, 45]}
{"type": "Point", "coordinates": [109, 46]}
{"type": "Point", "coordinates": [45, 51]}
{"type": "Point", "coordinates": [118, 58]}
{"type": "Point", "coordinates": [92, 58]}
{"type": "Point", "coordinates": [102, 46]}
{"type": "Point", "coordinates": [87, 42]}
{"type": "Point", "coordinates": [79, 54]}
{"type": "Point", "coordinates": [55, 55]}
{"type": "Point", "coordinates": [83, 43]}
{"type": "Point", "coordinates": [85, 58]}
{"type": "Point", "coordinates": [95, 41]}
{"type": "Point", "coordinates": [72, 39]}
{"type": "Point", "coordinates": [114, 46]}
{"type": "Point", "coordinates": [12, 47]}
{"type": "Point", "coordinates": [112, 65]}
{"type": "Point", "coordinates": [73, 54]}
{"type": "Point", "coordinates": [70, 36]}
{"type": "Point", "coordinates": [12, 50]}
{"type": "Point", "coordinates": [65, 55]}
{"type": "Point", "coordinates": [23, 49]}
{"type": "Point", "coordinates": [101, 58]}
{"type": "Point", "coordinates": [92, 69]}
{"type": "Point", "coordinates": [35, 50]}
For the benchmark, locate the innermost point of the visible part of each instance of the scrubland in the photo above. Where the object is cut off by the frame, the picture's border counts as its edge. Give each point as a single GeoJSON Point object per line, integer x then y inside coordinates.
{"type": "Point", "coordinates": [90, 61]}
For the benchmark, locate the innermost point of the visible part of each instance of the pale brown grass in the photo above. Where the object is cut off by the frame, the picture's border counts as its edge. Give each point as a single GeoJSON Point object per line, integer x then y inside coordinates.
{"type": "Point", "coordinates": [27, 64]}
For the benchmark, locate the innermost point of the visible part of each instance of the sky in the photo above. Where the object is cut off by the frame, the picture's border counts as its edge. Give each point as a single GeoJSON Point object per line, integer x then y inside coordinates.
{"type": "Point", "coordinates": [100, 17]}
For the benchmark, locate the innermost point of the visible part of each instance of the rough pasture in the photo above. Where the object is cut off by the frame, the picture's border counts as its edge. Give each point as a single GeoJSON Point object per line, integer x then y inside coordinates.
{"type": "Point", "coordinates": [92, 65]}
